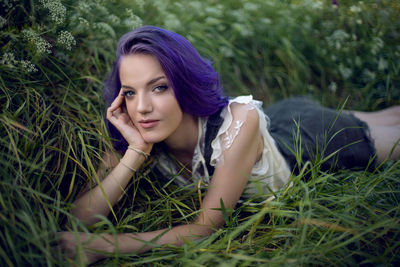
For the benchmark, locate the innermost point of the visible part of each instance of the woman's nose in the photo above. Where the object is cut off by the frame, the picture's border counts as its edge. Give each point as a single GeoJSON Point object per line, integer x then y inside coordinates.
{"type": "Point", "coordinates": [144, 104]}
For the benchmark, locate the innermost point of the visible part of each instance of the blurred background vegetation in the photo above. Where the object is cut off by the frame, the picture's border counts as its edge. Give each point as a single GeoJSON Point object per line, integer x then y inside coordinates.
{"type": "Point", "coordinates": [55, 55]}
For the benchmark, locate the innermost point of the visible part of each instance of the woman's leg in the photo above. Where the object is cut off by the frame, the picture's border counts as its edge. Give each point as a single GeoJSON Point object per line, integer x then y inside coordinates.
{"type": "Point", "coordinates": [387, 117]}
{"type": "Point", "coordinates": [384, 127]}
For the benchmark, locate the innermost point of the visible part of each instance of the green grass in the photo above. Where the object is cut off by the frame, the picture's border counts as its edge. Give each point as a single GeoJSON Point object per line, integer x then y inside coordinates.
{"type": "Point", "coordinates": [53, 133]}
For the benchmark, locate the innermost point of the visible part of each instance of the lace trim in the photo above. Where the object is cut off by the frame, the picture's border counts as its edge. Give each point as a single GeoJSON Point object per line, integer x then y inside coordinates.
{"type": "Point", "coordinates": [227, 141]}
{"type": "Point", "coordinates": [230, 129]}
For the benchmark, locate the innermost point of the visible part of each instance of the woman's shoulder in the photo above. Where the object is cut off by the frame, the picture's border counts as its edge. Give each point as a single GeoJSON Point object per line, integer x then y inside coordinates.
{"type": "Point", "coordinates": [243, 114]}
{"type": "Point", "coordinates": [240, 115]}
{"type": "Point", "coordinates": [246, 100]}
{"type": "Point", "coordinates": [240, 110]}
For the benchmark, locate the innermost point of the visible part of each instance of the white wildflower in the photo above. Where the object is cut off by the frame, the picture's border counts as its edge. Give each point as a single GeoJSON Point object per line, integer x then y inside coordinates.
{"type": "Point", "coordinates": [382, 64]}
{"type": "Point", "coordinates": [100, 9]}
{"type": "Point", "coordinates": [104, 28]}
{"type": "Point", "coordinates": [191, 38]}
{"type": "Point", "coordinates": [355, 9]}
{"type": "Point", "coordinates": [266, 21]}
{"type": "Point", "coordinates": [337, 38]}
{"type": "Point", "coordinates": [226, 51]}
{"type": "Point", "coordinates": [3, 22]}
{"type": "Point", "coordinates": [83, 22]}
{"type": "Point", "coordinates": [172, 22]}
{"type": "Point", "coordinates": [359, 21]}
{"type": "Point", "coordinates": [140, 4]}
{"type": "Point", "coordinates": [57, 10]}
{"type": "Point", "coordinates": [332, 87]}
{"type": "Point", "coordinates": [66, 40]}
{"type": "Point", "coordinates": [212, 21]}
{"type": "Point", "coordinates": [239, 15]}
{"type": "Point", "coordinates": [28, 66]}
{"type": "Point", "coordinates": [244, 30]}
{"type": "Point", "coordinates": [114, 19]}
{"type": "Point", "coordinates": [311, 88]}
{"type": "Point", "coordinates": [83, 6]}
{"type": "Point", "coordinates": [345, 71]}
{"type": "Point", "coordinates": [195, 5]}
{"type": "Point", "coordinates": [338, 35]}
{"type": "Point", "coordinates": [42, 46]}
{"type": "Point", "coordinates": [132, 21]}
{"type": "Point", "coordinates": [8, 59]}
{"type": "Point", "coordinates": [250, 6]}
{"type": "Point", "coordinates": [214, 11]}
{"type": "Point", "coordinates": [314, 4]}
{"type": "Point", "coordinates": [8, 4]}
{"type": "Point", "coordinates": [178, 7]}
{"type": "Point", "coordinates": [377, 45]}
{"type": "Point", "coordinates": [318, 5]}
{"type": "Point", "coordinates": [270, 3]}
{"type": "Point", "coordinates": [160, 5]}
{"type": "Point", "coordinates": [368, 75]}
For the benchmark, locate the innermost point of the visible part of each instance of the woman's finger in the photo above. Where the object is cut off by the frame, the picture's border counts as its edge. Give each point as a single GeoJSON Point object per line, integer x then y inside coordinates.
{"type": "Point", "coordinates": [118, 102]}
{"type": "Point", "coordinates": [115, 107]}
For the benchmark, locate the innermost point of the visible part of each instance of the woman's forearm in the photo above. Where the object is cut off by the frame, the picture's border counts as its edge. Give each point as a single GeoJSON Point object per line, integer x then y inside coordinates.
{"type": "Point", "coordinates": [94, 201]}
{"type": "Point", "coordinates": [142, 242]}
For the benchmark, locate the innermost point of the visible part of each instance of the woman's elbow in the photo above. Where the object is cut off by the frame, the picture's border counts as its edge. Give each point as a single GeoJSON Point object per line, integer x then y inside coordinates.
{"type": "Point", "coordinates": [85, 215]}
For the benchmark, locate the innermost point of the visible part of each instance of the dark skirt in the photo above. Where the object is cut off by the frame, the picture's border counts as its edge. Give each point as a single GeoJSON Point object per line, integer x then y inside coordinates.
{"type": "Point", "coordinates": [306, 131]}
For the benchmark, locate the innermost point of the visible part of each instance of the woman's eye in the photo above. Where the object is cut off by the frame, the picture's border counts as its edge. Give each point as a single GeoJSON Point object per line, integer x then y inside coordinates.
{"type": "Point", "coordinates": [160, 88]}
{"type": "Point", "coordinates": [129, 93]}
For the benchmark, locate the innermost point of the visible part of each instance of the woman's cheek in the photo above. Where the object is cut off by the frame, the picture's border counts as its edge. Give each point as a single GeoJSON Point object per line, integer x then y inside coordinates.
{"type": "Point", "coordinates": [130, 112]}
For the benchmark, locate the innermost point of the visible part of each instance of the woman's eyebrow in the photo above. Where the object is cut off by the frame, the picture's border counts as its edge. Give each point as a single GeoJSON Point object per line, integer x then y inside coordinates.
{"type": "Point", "coordinates": [155, 80]}
{"type": "Point", "coordinates": [152, 81]}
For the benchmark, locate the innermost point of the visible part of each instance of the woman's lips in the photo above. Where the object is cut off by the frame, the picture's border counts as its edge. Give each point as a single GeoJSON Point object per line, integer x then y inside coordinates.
{"type": "Point", "coordinates": [146, 124]}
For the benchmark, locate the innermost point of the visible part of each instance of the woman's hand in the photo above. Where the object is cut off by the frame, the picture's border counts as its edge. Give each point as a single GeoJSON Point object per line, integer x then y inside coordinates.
{"type": "Point", "coordinates": [119, 117]}
{"type": "Point", "coordinates": [94, 247]}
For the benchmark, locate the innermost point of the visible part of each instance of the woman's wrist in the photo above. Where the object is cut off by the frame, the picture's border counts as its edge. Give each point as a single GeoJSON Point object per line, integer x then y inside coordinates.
{"type": "Point", "coordinates": [139, 151]}
{"type": "Point", "coordinates": [145, 147]}
{"type": "Point", "coordinates": [132, 159]}
{"type": "Point", "coordinates": [103, 245]}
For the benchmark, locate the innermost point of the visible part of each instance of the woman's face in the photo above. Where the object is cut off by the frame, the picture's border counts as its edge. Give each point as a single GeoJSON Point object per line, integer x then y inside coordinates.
{"type": "Point", "coordinates": [149, 97]}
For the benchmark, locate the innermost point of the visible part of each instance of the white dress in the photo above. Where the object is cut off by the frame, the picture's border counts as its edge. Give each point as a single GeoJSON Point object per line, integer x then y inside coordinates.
{"type": "Point", "coordinates": [270, 173]}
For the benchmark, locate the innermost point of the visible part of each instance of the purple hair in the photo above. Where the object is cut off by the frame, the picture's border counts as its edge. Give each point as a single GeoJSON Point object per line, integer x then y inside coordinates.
{"type": "Point", "coordinates": [194, 81]}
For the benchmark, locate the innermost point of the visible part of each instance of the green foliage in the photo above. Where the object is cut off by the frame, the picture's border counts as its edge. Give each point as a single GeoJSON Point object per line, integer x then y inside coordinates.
{"type": "Point", "coordinates": [275, 49]}
{"type": "Point", "coordinates": [54, 56]}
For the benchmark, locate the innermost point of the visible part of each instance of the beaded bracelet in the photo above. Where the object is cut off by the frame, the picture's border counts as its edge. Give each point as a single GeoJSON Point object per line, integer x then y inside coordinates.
{"type": "Point", "coordinates": [126, 165]}
{"type": "Point", "coordinates": [144, 154]}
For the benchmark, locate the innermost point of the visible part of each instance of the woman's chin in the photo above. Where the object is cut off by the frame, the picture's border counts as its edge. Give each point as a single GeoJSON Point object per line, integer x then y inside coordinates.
{"type": "Point", "coordinates": [153, 139]}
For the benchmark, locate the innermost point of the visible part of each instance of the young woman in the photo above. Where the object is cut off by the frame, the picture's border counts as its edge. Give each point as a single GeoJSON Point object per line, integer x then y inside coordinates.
{"type": "Point", "coordinates": [166, 100]}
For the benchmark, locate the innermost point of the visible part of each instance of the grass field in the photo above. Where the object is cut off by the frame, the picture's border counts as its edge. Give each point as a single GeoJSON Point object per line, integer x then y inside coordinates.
{"type": "Point", "coordinates": [55, 56]}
